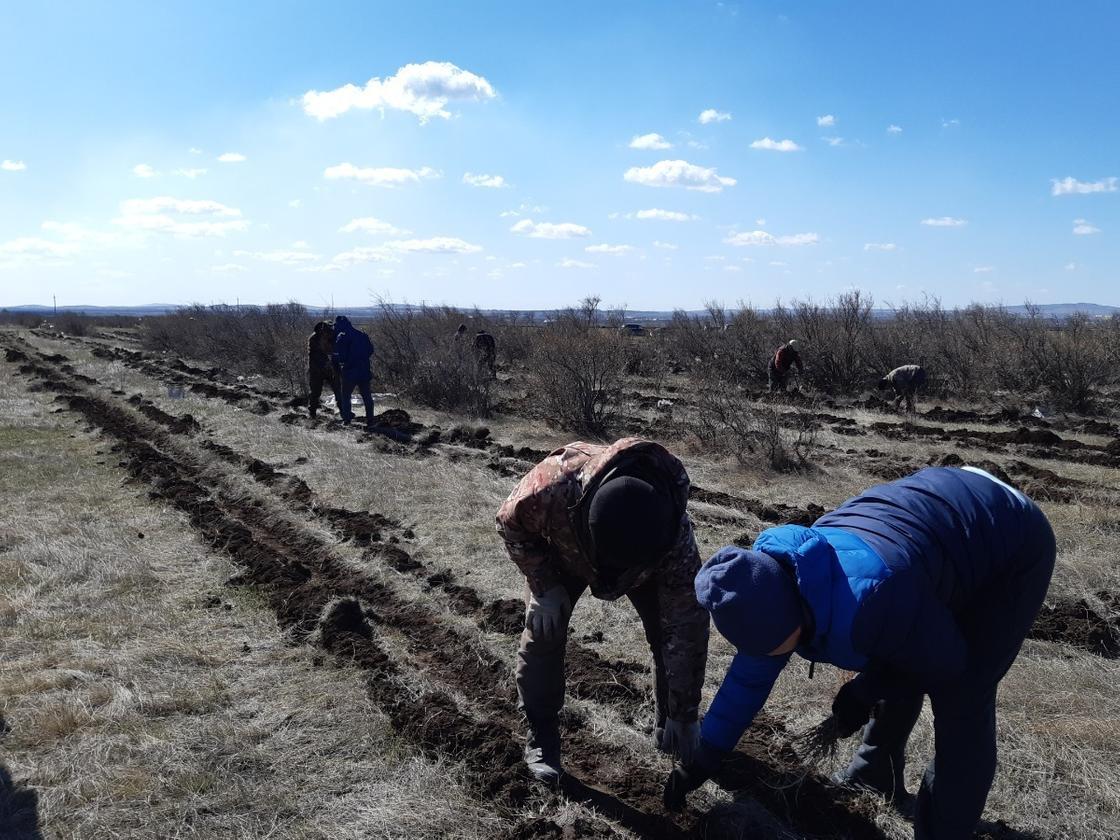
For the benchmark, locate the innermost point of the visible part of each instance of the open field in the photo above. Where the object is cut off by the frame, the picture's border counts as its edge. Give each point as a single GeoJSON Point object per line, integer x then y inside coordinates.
{"type": "Point", "coordinates": [224, 619]}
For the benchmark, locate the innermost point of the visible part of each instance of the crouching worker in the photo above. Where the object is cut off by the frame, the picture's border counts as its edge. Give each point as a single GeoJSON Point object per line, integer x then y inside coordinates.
{"type": "Point", "coordinates": [904, 381]}
{"type": "Point", "coordinates": [926, 586]}
{"type": "Point", "coordinates": [611, 518]}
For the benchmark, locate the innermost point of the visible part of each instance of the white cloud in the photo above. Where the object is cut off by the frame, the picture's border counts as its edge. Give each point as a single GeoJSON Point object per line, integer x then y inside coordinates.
{"type": "Point", "coordinates": [33, 249]}
{"type": "Point", "coordinates": [189, 173]}
{"type": "Point", "coordinates": [1071, 266]}
{"type": "Point", "coordinates": [944, 221]}
{"type": "Point", "coordinates": [299, 243]}
{"type": "Point", "coordinates": [13, 165]}
{"type": "Point", "coordinates": [295, 203]}
{"type": "Point", "coordinates": [194, 150]}
{"type": "Point", "coordinates": [1071, 186]}
{"type": "Point", "coordinates": [827, 121]}
{"type": "Point", "coordinates": [678, 173]}
{"type": "Point", "coordinates": [761, 237]}
{"type": "Point", "coordinates": [613, 250]}
{"type": "Point", "coordinates": [894, 129]}
{"type": "Point", "coordinates": [368, 224]}
{"type": "Point", "coordinates": [72, 232]}
{"type": "Point", "coordinates": [760, 222]}
{"type": "Point", "coordinates": [716, 258]}
{"type": "Point", "coordinates": [491, 181]}
{"type": "Point", "coordinates": [983, 269]}
{"type": "Point", "coordinates": [953, 123]}
{"type": "Point", "coordinates": [665, 246]}
{"type": "Point", "coordinates": [880, 246]}
{"type": "Point", "coordinates": [384, 176]}
{"type": "Point", "coordinates": [549, 230]}
{"type": "Point", "coordinates": [228, 268]}
{"type": "Point", "coordinates": [778, 263]}
{"type": "Point", "coordinates": [1084, 228]}
{"type": "Point", "coordinates": [362, 255]}
{"type": "Point", "coordinates": [567, 262]}
{"type": "Point", "coordinates": [657, 214]}
{"type": "Point", "coordinates": [775, 145]}
{"type": "Point", "coordinates": [113, 273]}
{"type": "Point", "coordinates": [434, 245]}
{"type": "Point", "coordinates": [232, 157]}
{"type": "Point", "coordinates": [711, 115]}
{"type": "Point", "coordinates": [732, 268]}
{"type": "Point", "coordinates": [420, 89]}
{"type": "Point", "coordinates": [280, 256]}
{"type": "Point", "coordinates": [164, 215]}
{"type": "Point", "coordinates": [834, 141]}
{"type": "Point", "coordinates": [650, 141]}
{"type": "Point", "coordinates": [142, 170]}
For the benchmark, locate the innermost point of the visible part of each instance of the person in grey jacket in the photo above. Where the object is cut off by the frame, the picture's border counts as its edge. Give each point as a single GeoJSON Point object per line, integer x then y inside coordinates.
{"type": "Point", "coordinates": [904, 381]}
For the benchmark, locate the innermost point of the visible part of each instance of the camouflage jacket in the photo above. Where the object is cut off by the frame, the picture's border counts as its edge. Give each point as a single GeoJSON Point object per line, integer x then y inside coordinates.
{"type": "Point", "coordinates": [544, 526]}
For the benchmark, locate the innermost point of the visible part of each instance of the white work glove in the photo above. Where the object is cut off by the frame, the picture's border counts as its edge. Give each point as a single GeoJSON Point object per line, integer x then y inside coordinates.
{"type": "Point", "coordinates": [547, 614]}
{"type": "Point", "coordinates": [678, 739]}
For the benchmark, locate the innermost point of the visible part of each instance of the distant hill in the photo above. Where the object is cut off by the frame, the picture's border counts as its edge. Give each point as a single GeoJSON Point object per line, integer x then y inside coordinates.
{"type": "Point", "coordinates": [1054, 310]}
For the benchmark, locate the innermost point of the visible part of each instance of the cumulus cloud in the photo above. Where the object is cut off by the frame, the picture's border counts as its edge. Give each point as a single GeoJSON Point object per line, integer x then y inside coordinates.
{"type": "Point", "coordinates": [650, 141]}
{"type": "Point", "coordinates": [711, 115]}
{"type": "Point", "coordinates": [1071, 186]}
{"type": "Point", "coordinates": [953, 123]}
{"type": "Point", "coordinates": [13, 165]}
{"type": "Point", "coordinates": [383, 176]}
{"type": "Point", "coordinates": [355, 256]}
{"type": "Point", "coordinates": [142, 170]}
{"type": "Point", "coordinates": [228, 268]}
{"type": "Point", "coordinates": [1071, 266]}
{"type": "Point", "coordinates": [775, 145]}
{"type": "Point", "coordinates": [894, 129]}
{"type": "Point", "coordinates": [983, 269]}
{"type": "Point", "coordinates": [232, 157]}
{"type": "Point", "coordinates": [944, 221]}
{"type": "Point", "coordinates": [568, 262]}
{"type": "Point", "coordinates": [1082, 228]}
{"type": "Point", "coordinates": [827, 121]}
{"type": "Point", "coordinates": [880, 246]}
{"type": "Point", "coordinates": [189, 173]}
{"type": "Point", "coordinates": [296, 203]}
{"type": "Point", "coordinates": [368, 224]}
{"type": "Point", "coordinates": [166, 215]}
{"type": "Point", "coordinates": [434, 245]}
{"type": "Point", "coordinates": [657, 214]}
{"type": "Point", "coordinates": [834, 141]}
{"type": "Point", "coordinates": [280, 256]}
{"type": "Point", "coordinates": [423, 90]}
{"type": "Point", "coordinates": [732, 268]}
{"type": "Point", "coordinates": [550, 230]}
{"type": "Point", "coordinates": [613, 250]}
{"type": "Point", "coordinates": [35, 250]}
{"type": "Point", "coordinates": [761, 237]}
{"type": "Point", "coordinates": [492, 181]}
{"type": "Point", "coordinates": [665, 246]}
{"type": "Point", "coordinates": [678, 173]}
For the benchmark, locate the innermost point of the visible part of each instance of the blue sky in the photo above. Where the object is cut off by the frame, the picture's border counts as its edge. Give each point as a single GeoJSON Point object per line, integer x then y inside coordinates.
{"type": "Point", "coordinates": [524, 155]}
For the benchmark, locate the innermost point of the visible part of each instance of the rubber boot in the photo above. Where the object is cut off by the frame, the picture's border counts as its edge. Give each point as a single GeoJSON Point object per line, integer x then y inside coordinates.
{"type": "Point", "coordinates": [542, 754]}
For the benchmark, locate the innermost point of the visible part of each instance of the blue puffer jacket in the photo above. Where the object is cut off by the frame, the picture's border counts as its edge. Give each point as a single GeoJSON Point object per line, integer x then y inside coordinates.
{"type": "Point", "coordinates": [884, 577]}
{"type": "Point", "coordinates": [352, 350]}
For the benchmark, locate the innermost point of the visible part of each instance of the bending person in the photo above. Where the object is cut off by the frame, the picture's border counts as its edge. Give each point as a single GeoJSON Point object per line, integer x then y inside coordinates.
{"type": "Point", "coordinates": [611, 518]}
{"type": "Point", "coordinates": [352, 352]}
{"type": "Point", "coordinates": [926, 586]}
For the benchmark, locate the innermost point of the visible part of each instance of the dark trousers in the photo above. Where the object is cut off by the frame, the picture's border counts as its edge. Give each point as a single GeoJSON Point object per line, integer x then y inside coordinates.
{"type": "Point", "coordinates": [540, 664]}
{"type": "Point", "coordinates": [957, 780]}
{"type": "Point", "coordinates": [775, 379]}
{"type": "Point", "coordinates": [317, 374]}
{"type": "Point", "coordinates": [348, 385]}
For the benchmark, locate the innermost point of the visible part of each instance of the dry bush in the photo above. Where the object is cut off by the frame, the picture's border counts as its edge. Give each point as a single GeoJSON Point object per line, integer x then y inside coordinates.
{"type": "Point", "coordinates": [576, 370]}
{"type": "Point", "coordinates": [727, 421]}
{"type": "Point", "coordinates": [836, 338]}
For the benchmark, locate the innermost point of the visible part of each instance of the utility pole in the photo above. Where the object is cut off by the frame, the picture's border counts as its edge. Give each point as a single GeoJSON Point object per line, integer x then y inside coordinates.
{"type": "Point", "coordinates": [54, 300]}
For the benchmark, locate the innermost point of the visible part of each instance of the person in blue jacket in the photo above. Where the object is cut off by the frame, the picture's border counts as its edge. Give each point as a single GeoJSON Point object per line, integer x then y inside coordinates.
{"type": "Point", "coordinates": [925, 586]}
{"type": "Point", "coordinates": [352, 353]}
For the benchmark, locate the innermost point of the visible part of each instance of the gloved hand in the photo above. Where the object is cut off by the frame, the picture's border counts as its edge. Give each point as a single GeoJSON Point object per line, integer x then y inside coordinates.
{"type": "Point", "coordinates": [851, 708]}
{"type": "Point", "coordinates": [685, 778]}
{"type": "Point", "coordinates": [678, 738]}
{"type": "Point", "coordinates": [547, 614]}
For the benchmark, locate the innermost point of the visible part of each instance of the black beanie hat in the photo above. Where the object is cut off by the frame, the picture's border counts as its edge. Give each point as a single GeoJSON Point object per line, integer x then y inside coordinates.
{"type": "Point", "coordinates": [631, 523]}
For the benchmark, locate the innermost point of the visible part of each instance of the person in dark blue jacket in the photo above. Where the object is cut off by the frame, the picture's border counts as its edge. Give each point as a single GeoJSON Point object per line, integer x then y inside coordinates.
{"type": "Point", "coordinates": [352, 353]}
{"type": "Point", "coordinates": [925, 586]}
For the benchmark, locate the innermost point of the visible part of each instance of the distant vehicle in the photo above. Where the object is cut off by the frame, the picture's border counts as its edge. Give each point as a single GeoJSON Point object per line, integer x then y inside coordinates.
{"type": "Point", "coordinates": [633, 329]}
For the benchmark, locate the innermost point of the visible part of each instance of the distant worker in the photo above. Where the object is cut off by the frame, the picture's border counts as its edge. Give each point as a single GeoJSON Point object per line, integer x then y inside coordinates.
{"type": "Point", "coordinates": [925, 586]}
{"type": "Point", "coordinates": [785, 357]}
{"type": "Point", "coordinates": [460, 332]}
{"type": "Point", "coordinates": [352, 352]}
{"type": "Point", "coordinates": [321, 367]}
{"type": "Point", "coordinates": [905, 381]}
{"type": "Point", "coordinates": [611, 518]}
{"type": "Point", "coordinates": [485, 352]}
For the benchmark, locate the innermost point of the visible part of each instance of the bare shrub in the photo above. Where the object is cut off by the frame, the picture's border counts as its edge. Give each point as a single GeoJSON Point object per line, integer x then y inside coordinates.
{"type": "Point", "coordinates": [836, 337]}
{"type": "Point", "coordinates": [576, 370]}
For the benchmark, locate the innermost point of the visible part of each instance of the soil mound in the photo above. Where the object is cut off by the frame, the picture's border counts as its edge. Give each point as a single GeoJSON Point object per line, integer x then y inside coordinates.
{"type": "Point", "coordinates": [1079, 624]}
{"type": "Point", "coordinates": [506, 615]}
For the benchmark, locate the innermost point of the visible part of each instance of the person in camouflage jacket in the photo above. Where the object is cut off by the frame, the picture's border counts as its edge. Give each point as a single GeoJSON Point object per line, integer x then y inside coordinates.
{"type": "Point", "coordinates": [612, 519]}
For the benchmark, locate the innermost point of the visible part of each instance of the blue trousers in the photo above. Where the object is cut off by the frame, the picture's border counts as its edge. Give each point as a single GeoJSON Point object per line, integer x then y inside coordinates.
{"type": "Point", "coordinates": [349, 383]}
{"type": "Point", "coordinates": [956, 782]}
